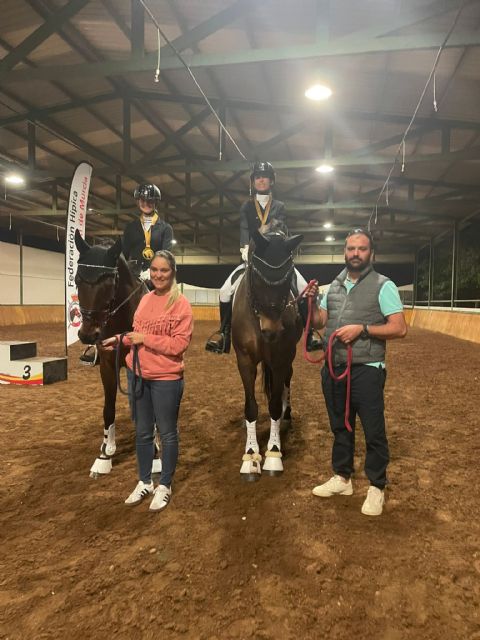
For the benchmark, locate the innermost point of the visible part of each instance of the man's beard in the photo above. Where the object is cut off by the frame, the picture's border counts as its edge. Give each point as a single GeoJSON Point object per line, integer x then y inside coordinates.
{"type": "Point", "coordinates": [357, 266]}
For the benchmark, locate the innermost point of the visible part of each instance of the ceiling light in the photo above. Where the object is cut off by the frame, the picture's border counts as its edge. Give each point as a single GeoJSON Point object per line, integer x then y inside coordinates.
{"type": "Point", "coordinates": [174, 241]}
{"type": "Point", "coordinates": [324, 168]}
{"type": "Point", "coordinates": [318, 92]}
{"type": "Point", "coordinates": [329, 239]}
{"type": "Point", "coordinates": [14, 178]}
{"type": "Point", "coordinates": [327, 225]}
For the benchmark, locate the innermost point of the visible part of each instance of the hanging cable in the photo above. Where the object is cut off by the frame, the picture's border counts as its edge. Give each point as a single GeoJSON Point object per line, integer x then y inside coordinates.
{"type": "Point", "coordinates": [157, 70]}
{"type": "Point", "coordinates": [401, 146]}
{"type": "Point", "coordinates": [190, 72]}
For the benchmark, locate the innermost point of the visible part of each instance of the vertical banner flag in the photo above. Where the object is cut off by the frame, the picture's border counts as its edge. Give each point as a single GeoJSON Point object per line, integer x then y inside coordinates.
{"type": "Point", "coordinates": [76, 216]}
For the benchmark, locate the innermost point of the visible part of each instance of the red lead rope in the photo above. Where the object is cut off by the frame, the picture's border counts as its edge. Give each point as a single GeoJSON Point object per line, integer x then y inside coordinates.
{"type": "Point", "coordinates": [348, 370]}
{"type": "Point", "coordinates": [346, 374]}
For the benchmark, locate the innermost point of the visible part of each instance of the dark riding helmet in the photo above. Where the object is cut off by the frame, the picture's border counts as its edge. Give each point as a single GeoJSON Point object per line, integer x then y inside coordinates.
{"type": "Point", "coordinates": [148, 192]}
{"type": "Point", "coordinates": [263, 169]}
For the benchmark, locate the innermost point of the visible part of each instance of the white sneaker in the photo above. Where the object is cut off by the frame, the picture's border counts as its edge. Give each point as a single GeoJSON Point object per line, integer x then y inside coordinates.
{"type": "Point", "coordinates": [373, 505]}
{"type": "Point", "coordinates": [140, 492]}
{"type": "Point", "coordinates": [335, 486]}
{"type": "Point", "coordinates": [161, 498]}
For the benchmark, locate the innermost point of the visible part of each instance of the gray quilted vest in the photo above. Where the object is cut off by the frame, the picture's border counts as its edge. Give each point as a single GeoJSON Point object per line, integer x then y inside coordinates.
{"type": "Point", "coordinates": [359, 306]}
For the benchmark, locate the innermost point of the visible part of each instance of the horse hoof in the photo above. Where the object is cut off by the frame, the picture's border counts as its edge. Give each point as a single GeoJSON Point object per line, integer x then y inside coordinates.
{"type": "Point", "coordinates": [250, 477]}
{"type": "Point", "coordinates": [273, 463]}
{"type": "Point", "coordinates": [272, 473]}
{"type": "Point", "coordinates": [156, 466]}
{"type": "Point", "coordinates": [100, 467]}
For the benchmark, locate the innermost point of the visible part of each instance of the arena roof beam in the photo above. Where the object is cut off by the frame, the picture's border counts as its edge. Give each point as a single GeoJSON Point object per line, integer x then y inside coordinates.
{"type": "Point", "coordinates": [247, 56]}
{"type": "Point", "coordinates": [50, 26]}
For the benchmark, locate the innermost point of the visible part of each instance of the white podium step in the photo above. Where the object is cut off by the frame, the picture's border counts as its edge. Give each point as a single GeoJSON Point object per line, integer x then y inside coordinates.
{"type": "Point", "coordinates": [20, 365]}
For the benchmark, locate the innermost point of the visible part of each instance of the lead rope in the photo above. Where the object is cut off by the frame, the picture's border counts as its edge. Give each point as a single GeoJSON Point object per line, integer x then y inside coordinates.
{"type": "Point", "coordinates": [137, 385]}
{"type": "Point", "coordinates": [346, 374]}
{"type": "Point", "coordinates": [329, 354]}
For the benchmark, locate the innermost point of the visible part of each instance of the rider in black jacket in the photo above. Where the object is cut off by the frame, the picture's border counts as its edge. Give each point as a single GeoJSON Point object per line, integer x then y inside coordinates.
{"type": "Point", "coordinates": [261, 209]}
{"type": "Point", "coordinates": [142, 237]}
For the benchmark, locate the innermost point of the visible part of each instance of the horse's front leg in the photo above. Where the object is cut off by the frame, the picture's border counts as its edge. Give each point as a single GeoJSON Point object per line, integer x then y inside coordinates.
{"type": "Point", "coordinates": [251, 460]}
{"type": "Point", "coordinates": [103, 464]}
{"type": "Point", "coordinates": [273, 456]}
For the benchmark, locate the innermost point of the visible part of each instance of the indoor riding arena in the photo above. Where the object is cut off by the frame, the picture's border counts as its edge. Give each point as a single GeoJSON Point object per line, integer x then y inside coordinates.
{"type": "Point", "coordinates": [368, 115]}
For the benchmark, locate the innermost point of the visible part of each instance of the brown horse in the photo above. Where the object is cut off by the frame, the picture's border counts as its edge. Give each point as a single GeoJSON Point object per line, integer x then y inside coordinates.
{"type": "Point", "coordinates": [265, 329]}
{"type": "Point", "coordinates": [108, 296]}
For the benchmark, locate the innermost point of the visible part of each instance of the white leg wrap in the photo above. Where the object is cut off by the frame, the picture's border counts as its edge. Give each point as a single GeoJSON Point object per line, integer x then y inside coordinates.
{"type": "Point", "coordinates": [101, 466]}
{"type": "Point", "coordinates": [274, 439]}
{"type": "Point", "coordinates": [251, 437]}
{"type": "Point", "coordinates": [109, 445]}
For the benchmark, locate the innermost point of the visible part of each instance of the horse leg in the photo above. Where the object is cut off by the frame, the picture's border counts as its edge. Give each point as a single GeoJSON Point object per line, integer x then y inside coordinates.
{"type": "Point", "coordinates": [273, 456]}
{"type": "Point", "coordinates": [103, 464]}
{"type": "Point", "coordinates": [157, 460]}
{"type": "Point", "coordinates": [250, 469]}
{"type": "Point", "coordinates": [286, 408]}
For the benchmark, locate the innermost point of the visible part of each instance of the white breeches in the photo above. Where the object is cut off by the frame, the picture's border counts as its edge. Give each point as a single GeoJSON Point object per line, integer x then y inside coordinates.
{"type": "Point", "coordinates": [228, 289]}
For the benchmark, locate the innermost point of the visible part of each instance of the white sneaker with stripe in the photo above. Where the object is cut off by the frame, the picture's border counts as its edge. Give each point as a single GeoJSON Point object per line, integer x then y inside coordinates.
{"type": "Point", "coordinates": [161, 498]}
{"type": "Point", "coordinates": [141, 491]}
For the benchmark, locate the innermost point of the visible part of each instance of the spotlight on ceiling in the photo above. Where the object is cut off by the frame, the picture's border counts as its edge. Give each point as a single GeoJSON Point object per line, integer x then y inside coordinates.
{"type": "Point", "coordinates": [318, 92]}
{"type": "Point", "coordinates": [14, 178]}
{"type": "Point", "coordinates": [329, 239]}
{"type": "Point", "coordinates": [174, 241]}
{"type": "Point", "coordinates": [327, 225]}
{"type": "Point", "coordinates": [324, 168]}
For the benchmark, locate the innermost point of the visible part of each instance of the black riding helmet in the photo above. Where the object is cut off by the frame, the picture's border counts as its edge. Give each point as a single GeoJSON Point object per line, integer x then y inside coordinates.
{"type": "Point", "coordinates": [148, 192]}
{"type": "Point", "coordinates": [263, 169]}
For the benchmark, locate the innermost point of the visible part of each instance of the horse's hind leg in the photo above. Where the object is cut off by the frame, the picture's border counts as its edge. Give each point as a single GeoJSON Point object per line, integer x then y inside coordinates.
{"type": "Point", "coordinates": [157, 460]}
{"type": "Point", "coordinates": [286, 408]}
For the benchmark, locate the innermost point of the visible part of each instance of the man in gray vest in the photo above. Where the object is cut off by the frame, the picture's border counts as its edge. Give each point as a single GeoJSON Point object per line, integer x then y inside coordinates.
{"type": "Point", "coordinates": [365, 309]}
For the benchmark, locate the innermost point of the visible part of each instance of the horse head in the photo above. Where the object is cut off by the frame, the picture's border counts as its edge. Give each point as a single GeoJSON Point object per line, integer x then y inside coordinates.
{"type": "Point", "coordinates": [270, 277]}
{"type": "Point", "coordinates": [96, 279]}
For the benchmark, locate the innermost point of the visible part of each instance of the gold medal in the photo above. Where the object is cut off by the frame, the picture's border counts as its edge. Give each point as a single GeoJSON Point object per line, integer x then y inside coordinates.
{"type": "Point", "coordinates": [148, 253]}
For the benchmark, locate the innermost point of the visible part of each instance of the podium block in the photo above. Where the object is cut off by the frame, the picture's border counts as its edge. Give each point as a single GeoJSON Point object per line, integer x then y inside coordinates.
{"type": "Point", "coordinates": [20, 365]}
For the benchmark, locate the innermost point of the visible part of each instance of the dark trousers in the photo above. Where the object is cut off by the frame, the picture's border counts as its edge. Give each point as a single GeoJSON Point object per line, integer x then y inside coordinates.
{"type": "Point", "coordinates": [366, 401]}
{"type": "Point", "coordinates": [158, 404]}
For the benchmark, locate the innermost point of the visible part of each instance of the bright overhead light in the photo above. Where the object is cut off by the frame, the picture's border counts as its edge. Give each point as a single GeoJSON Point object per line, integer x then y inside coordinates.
{"type": "Point", "coordinates": [324, 168]}
{"type": "Point", "coordinates": [327, 225]}
{"type": "Point", "coordinates": [14, 178]}
{"type": "Point", "coordinates": [329, 239]}
{"type": "Point", "coordinates": [318, 92]}
{"type": "Point", "coordinates": [174, 241]}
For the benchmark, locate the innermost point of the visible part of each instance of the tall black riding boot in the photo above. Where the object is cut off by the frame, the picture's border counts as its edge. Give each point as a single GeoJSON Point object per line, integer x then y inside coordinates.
{"type": "Point", "coordinates": [222, 345]}
{"type": "Point", "coordinates": [313, 343]}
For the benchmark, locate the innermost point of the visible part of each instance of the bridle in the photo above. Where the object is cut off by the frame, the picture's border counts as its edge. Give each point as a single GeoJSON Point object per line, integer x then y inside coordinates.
{"type": "Point", "coordinates": [254, 267]}
{"type": "Point", "coordinates": [102, 316]}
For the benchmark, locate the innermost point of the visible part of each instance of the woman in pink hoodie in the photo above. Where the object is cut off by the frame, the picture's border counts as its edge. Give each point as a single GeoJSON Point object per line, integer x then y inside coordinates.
{"type": "Point", "coordinates": [162, 330]}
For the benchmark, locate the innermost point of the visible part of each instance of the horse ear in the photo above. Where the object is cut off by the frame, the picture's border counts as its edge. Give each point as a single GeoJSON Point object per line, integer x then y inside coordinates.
{"type": "Point", "coordinates": [114, 251]}
{"type": "Point", "coordinates": [81, 244]}
{"type": "Point", "coordinates": [260, 241]}
{"type": "Point", "coordinates": [293, 242]}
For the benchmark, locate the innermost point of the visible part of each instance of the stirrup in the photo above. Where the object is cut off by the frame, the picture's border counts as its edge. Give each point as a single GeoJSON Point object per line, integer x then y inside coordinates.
{"type": "Point", "coordinates": [89, 360]}
{"type": "Point", "coordinates": [216, 346]}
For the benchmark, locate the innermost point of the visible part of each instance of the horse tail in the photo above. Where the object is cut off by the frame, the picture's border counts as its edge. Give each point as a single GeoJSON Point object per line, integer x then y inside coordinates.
{"type": "Point", "coordinates": [267, 380]}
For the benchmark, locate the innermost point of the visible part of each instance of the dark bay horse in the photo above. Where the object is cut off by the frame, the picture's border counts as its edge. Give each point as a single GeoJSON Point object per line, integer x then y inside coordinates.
{"type": "Point", "coordinates": [265, 329]}
{"type": "Point", "coordinates": [108, 295]}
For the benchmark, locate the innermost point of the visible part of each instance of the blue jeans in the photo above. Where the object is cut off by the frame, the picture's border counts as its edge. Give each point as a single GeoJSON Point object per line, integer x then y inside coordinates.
{"type": "Point", "coordinates": [159, 404]}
